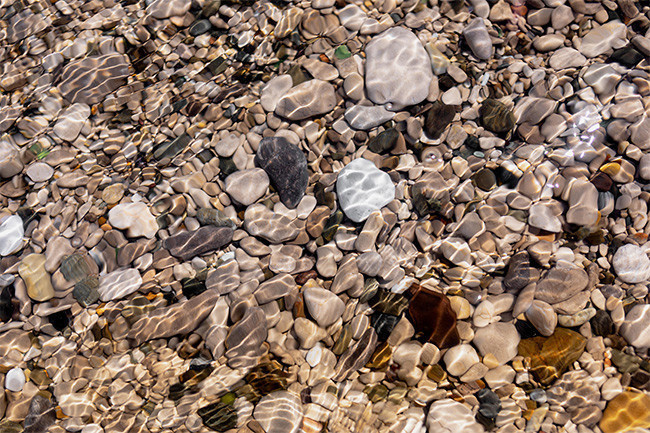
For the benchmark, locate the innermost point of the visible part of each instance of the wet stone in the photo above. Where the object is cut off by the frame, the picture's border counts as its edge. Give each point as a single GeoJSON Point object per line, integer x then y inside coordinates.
{"type": "Point", "coordinates": [76, 267]}
{"type": "Point", "coordinates": [38, 282]}
{"type": "Point", "coordinates": [362, 188]}
{"type": "Point", "coordinates": [519, 272]}
{"type": "Point", "coordinates": [215, 217]}
{"type": "Point", "coordinates": [602, 324]}
{"type": "Point", "coordinates": [219, 416]}
{"type": "Point", "coordinates": [187, 245]}
{"type": "Point", "coordinates": [286, 166]}
{"type": "Point", "coordinates": [438, 118]}
{"type": "Point", "coordinates": [489, 403]}
{"type": "Point", "coordinates": [200, 27]}
{"type": "Point", "coordinates": [485, 179]}
{"type": "Point", "coordinates": [86, 290]}
{"type": "Point", "coordinates": [385, 141]}
{"type": "Point", "coordinates": [627, 411]}
{"type": "Point", "coordinates": [91, 79]}
{"type": "Point", "coordinates": [496, 117]}
{"type": "Point", "coordinates": [383, 324]}
{"type": "Point", "coordinates": [41, 415]}
{"type": "Point", "coordinates": [433, 317]}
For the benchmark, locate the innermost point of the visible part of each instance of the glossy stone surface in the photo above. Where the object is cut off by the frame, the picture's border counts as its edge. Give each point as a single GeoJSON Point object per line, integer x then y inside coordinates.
{"type": "Point", "coordinates": [552, 356]}
{"type": "Point", "coordinates": [627, 411]}
{"type": "Point", "coordinates": [496, 117]}
{"type": "Point", "coordinates": [186, 245]}
{"type": "Point", "coordinates": [89, 80]}
{"type": "Point", "coordinates": [37, 279]}
{"type": "Point", "coordinates": [433, 318]}
{"type": "Point", "coordinates": [11, 235]}
{"type": "Point", "coordinates": [362, 188]}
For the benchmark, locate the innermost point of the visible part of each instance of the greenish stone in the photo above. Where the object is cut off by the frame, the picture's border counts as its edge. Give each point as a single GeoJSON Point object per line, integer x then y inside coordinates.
{"type": "Point", "coordinates": [625, 363]}
{"type": "Point", "coordinates": [332, 225]}
{"type": "Point", "coordinates": [370, 290]}
{"type": "Point", "coordinates": [388, 302]}
{"type": "Point", "coordinates": [496, 116]}
{"type": "Point", "coordinates": [376, 393]}
{"type": "Point", "coordinates": [342, 52]}
{"type": "Point", "coordinates": [219, 416]}
{"type": "Point", "coordinates": [424, 206]}
{"type": "Point", "coordinates": [227, 167]}
{"type": "Point", "coordinates": [85, 291]}
{"type": "Point", "coordinates": [76, 267]}
{"type": "Point", "coordinates": [217, 66]}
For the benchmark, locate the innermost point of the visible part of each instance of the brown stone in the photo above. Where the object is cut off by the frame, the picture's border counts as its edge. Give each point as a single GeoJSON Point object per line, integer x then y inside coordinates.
{"type": "Point", "coordinates": [432, 316]}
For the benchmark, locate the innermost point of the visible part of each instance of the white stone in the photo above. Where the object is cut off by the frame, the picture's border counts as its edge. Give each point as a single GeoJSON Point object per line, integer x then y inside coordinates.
{"type": "Point", "coordinates": [136, 218]}
{"type": "Point", "coordinates": [601, 39]}
{"type": "Point", "coordinates": [611, 388]}
{"type": "Point", "coordinates": [449, 416]}
{"type": "Point", "coordinates": [362, 188]}
{"type": "Point", "coordinates": [324, 306]}
{"type": "Point", "coordinates": [352, 17]}
{"type": "Point", "coordinates": [72, 121]}
{"type": "Point", "coordinates": [398, 69]}
{"type": "Point", "coordinates": [500, 339]}
{"type": "Point", "coordinates": [247, 186]}
{"type": "Point", "coordinates": [39, 172]}
{"type": "Point", "coordinates": [583, 203]}
{"type": "Point", "coordinates": [15, 380]}
{"type": "Point", "coordinates": [314, 355]}
{"type": "Point", "coordinates": [274, 90]}
{"type": "Point", "coordinates": [11, 235]}
{"type": "Point", "coordinates": [631, 264]}
{"type": "Point", "coordinates": [500, 376]}
{"type": "Point", "coordinates": [635, 328]}
{"type": "Point", "coordinates": [92, 428]}
{"type": "Point", "coordinates": [459, 359]}
{"type": "Point", "coordinates": [118, 284]}
{"type": "Point", "coordinates": [365, 117]}
{"type": "Point", "coordinates": [541, 216]}
{"type": "Point", "coordinates": [567, 58]}
{"type": "Point", "coordinates": [228, 145]}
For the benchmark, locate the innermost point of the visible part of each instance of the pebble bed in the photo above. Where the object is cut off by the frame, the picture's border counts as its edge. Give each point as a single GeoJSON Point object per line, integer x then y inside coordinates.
{"type": "Point", "coordinates": [388, 216]}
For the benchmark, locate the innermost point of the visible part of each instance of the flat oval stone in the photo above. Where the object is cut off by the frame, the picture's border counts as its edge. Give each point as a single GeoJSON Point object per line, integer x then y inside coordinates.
{"type": "Point", "coordinates": [560, 284]}
{"type": "Point", "coordinates": [187, 245]}
{"type": "Point", "coordinates": [362, 188]}
{"type": "Point", "coordinates": [324, 306]}
{"type": "Point", "coordinates": [247, 186]}
{"type": "Point", "coordinates": [308, 99]}
{"type": "Point", "coordinates": [365, 117]}
{"type": "Point", "coordinates": [91, 79]}
{"type": "Point", "coordinates": [447, 415]}
{"type": "Point", "coordinates": [39, 172]}
{"type": "Point", "coordinates": [398, 69]}
{"type": "Point", "coordinates": [496, 117]}
{"type": "Point", "coordinates": [631, 264]}
{"type": "Point", "coordinates": [500, 339]}
{"type": "Point", "coordinates": [136, 218]}
{"type": "Point", "coordinates": [286, 166]}
{"type": "Point", "coordinates": [11, 235]}
{"type": "Point", "coordinates": [38, 282]}
{"type": "Point", "coordinates": [279, 412]}
{"type": "Point", "coordinates": [636, 325]}
{"type": "Point", "coordinates": [119, 283]}
{"type": "Point", "coordinates": [478, 39]}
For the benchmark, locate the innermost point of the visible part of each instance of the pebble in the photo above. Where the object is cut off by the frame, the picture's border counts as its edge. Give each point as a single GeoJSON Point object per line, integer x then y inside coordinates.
{"type": "Point", "coordinates": [439, 116]}
{"type": "Point", "coordinates": [15, 380]}
{"type": "Point", "coordinates": [71, 121]}
{"type": "Point", "coordinates": [367, 117]}
{"type": "Point", "coordinates": [162, 9]}
{"type": "Point", "coordinates": [541, 216]}
{"type": "Point", "coordinates": [496, 116]}
{"type": "Point", "coordinates": [90, 80]}
{"type": "Point", "coordinates": [118, 284]}
{"type": "Point", "coordinates": [602, 39]}
{"type": "Point", "coordinates": [38, 282]}
{"type": "Point", "coordinates": [136, 218]}
{"type": "Point", "coordinates": [447, 415]}
{"type": "Point", "coordinates": [631, 264]}
{"type": "Point", "coordinates": [459, 359]}
{"type": "Point", "coordinates": [10, 162]}
{"type": "Point", "coordinates": [636, 325]}
{"type": "Point", "coordinates": [566, 58]}
{"type": "Point", "coordinates": [39, 172]}
{"type": "Point", "coordinates": [478, 39]}
{"type": "Point", "coordinates": [308, 99]}
{"type": "Point", "coordinates": [324, 306]}
{"type": "Point", "coordinates": [279, 412]}
{"type": "Point", "coordinates": [275, 89]}
{"type": "Point", "coordinates": [560, 284]}
{"type": "Point", "coordinates": [397, 69]}
{"type": "Point", "coordinates": [362, 188]}
{"type": "Point", "coordinates": [187, 245]}
{"type": "Point", "coordinates": [499, 339]}
{"type": "Point", "coordinates": [247, 186]}
{"type": "Point", "coordinates": [542, 316]}
{"type": "Point", "coordinates": [626, 412]}
{"type": "Point", "coordinates": [11, 235]}
{"type": "Point", "coordinates": [286, 166]}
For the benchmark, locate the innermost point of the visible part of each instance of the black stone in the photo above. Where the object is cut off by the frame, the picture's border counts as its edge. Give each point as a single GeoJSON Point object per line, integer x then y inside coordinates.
{"type": "Point", "coordinates": [601, 324]}
{"type": "Point", "coordinates": [485, 179]}
{"type": "Point", "coordinates": [41, 415]}
{"type": "Point", "coordinates": [518, 275]}
{"type": "Point", "coordinates": [385, 141]}
{"type": "Point", "coordinates": [170, 149]}
{"type": "Point", "coordinates": [383, 324]}
{"type": "Point", "coordinates": [489, 403]}
{"type": "Point", "coordinates": [6, 305]}
{"type": "Point", "coordinates": [525, 329]}
{"type": "Point", "coordinates": [496, 116]}
{"type": "Point", "coordinates": [227, 167]}
{"type": "Point", "coordinates": [438, 118]}
{"type": "Point", "coordinates": [217, 66]}
{"type": "Point", "coordinates": [199, 27]}
{"type": "Point", "coordinates": [219, 416]}
{"type": "Point", "coordinates": [59, 320]}
{"type": "Point", "coordinates": [506, 177]}
{"type": "Point", "coordinates": [472, 143]}
{"type": "Point", "coordinates": [640, 380]}
{"type": "Point", "coordinates": [286, 166]}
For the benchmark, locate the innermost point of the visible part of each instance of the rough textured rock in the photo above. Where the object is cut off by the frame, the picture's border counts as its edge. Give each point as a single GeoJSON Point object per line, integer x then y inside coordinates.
{"type": "Point", "coordinates": [398, 69]}
{"type": "Point", "coordinates": [286, 166]}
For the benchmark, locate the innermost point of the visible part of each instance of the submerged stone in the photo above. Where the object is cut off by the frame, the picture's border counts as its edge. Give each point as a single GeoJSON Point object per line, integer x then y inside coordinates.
{"type": "Point", "coordinates": [627, 411]}
{"type": "Point", "coordinates": [219, 416]}
{"type": "Point", "coordinates": [433, 317]}
{"type": "Point", "coordinates": [286, 166]}
{"type": "Point", "coordinates": [496, 116]}
{"type": "Point", "coordinates": [552, 356]}
{"type": "Point", "coordinates": [438, 118]}
{"type": "Point", "coordinates": [38, 282]}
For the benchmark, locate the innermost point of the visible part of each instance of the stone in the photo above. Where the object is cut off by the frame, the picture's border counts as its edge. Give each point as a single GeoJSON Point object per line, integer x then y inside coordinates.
{"type": "Point", "coordinates": [433, 317]}
{"type": "Point", "coordinates": [439, 116]}
{"type": "Point", "coordinates": [118, 284]}
{"type": "Point", "coordinates": [457, 251]}
{"type": "Point", "coordinates": [38, 282]}
{"type": "Point", "coordinates": [286, 166]}
{"type": "Point", "coordinates": [583, 203]}
{"type": "Point", "coordinates": [459, 359]}
{"type": "Point", "coordinates": [136, 218]}
{"type": "Point", "coordinates": [162, 9]}
{"type": "Point", "coordinates": [15, 380]}
{"type": "Point", "coordinates": [187, 245]}
{"type": "Point", "coordinates": [219, 416]}
{"type": "Point", "coordinates": [39, 172]}
{"type": "Point", "coordinates": [542, 316]}
{"type": "Point", "coordinates": [499, 339]}
{"type": "Point", "coordinates": [496, 116]}
{"type": "Point", "coordinates": [631, 264]}
{"type": "Point", "coordinates": [551, 356]}
{"type": "Point", "coordinates": [244, 341]}
{"type": "Point", "coordinates": [324, 306]}
{"type": "Point", "coordinates": [11, 235]}
{"type": "Point", "coordinates": [224, 279]}
{"type": "Point", "coordinates": [386, 141]}
{"type": "Point", "coordinates": [263, 222]}
{"type": "Point", "coordinates": [447, 415]}
{"type": "Point", "coordinates": [365, 117]}
{"type": "Point", "coordinates": [356, 356]}
{"type": "Point", "coordinates": [397, 69]}
{"type": "Point", "coordinates": [91, 79]}
{"type": "Point", "coordinates": [602, 324]}
{"type": "Point", "coordinates": [362, 188]}
{"type": "Point", "coordinates": [71, 121]}
{"type": "Point", "coordinates": [628, 411]}
{"type": "Point", "coordinates": [275, 89]}
{"type": "Point", "coordinates": [478, 39]}
{"type": "Point", "coordinates": [279, 412]}
{"type": "Point", "coordinates": [520, 273]}
{"type": "Point", "coordinates": [566, 58]}
{"type": "Point", "coordinates": [560, 284]}
{"type": "Point", "coordinates": [541, 216]}
{"type": "Point", "coordinates": [178, 319]}
{"type": "Point", "coordinates": [41, 415]}
{"type": "Point", "coordinates": [308, 99]}
{"type": "Point", "coordinates": [215, 217]}
{"type": "Point", "coordinates": [10, 161]}
{"type": "Point", "coordinates": [635, 327]}
{"type": "Point", "coordinates": [602, 39]}
{"type": "Point", "coordinates": [247, 186]}
{"type": "Point", "coordinates": [86, 291]}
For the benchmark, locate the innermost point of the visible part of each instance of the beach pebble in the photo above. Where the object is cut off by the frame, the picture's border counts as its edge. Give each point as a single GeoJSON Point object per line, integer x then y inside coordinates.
{"type": "Point", "coordinates": [286, 166]}
{"type": "Point", "coordinates": [15, 380]}
{"type": "Point", "coordinates": [324, 306]}
{"type": "Point", "coordinates": [367, 117]}
{"type": "Point", "coordinates": [39, 172]}
{"type": "Point", "coordinates": [362, 188]}
{"type": "Point", "coordinates": [11, 235]}
{"type": "Point", "coordinates": [499, 339]}
{"type": "Point", "coordinates": [279, 412]}
{"type": "Point", "coordinates": [136, 218]}
{"type": "Point", "coordinates": [10, 163]}
{"type": "Point", "coordinates": [247, 186]}
{"type": "Point", "coordinates": [308, 99]}
{"type": "Point", "coordinates": [275, 89]}
{"type": "Point", "coordinates": [478, 39]}
{"type": "Point", "coordinates": [398, 69]}
{"type": "Point", "coordinates": [447, 415]}
{"type": "Point", "coordinates": [636, 325]}
{"type": "Point", "coordinates": [631, 264]}
{"type": "Point", "coordinates": [602, 39]}
{"type": "Point", "coordinates": [162, 9]}
{"type": "Point", "coordinates": [118, 284]}
{"type": "Point", "coordinates": [542, 316]}
{"type": "Point", "coordinates": [459, 359]}
{"type": "Point", "coordinates": [71, 121]}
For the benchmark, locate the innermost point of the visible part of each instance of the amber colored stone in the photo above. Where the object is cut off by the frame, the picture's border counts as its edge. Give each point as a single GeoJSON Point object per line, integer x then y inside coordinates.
{"type": "Point", "coordinates": [432, 317]}
{"type": "Point", "coordinates": [343, 341]}
{"type": "Point", "coordinates": [436, 373]}
{"type": "Point", "coordinates": [627, 411]}
{"type": "Point", "coordinates": [376, 393]}
{"type": "Point", "coordinates": [552, 356]}
{"type": "Point", "coordinates": [303, 277]}
{"type": "Point", "coordinates": [380, 357]}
